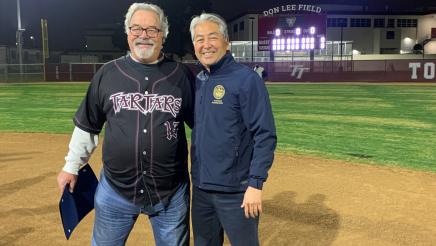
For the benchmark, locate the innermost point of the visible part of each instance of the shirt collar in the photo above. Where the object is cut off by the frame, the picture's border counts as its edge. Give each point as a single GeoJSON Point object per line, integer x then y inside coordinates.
{"type": "Point", "coordinates": [224, 61]}
{"type": "Point", "coordinates": [159, 59]}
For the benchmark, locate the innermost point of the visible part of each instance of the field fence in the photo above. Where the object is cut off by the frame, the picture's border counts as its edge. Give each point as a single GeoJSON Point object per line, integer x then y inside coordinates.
{"type": "Point", "coordinates": [423, 70]}
{"type": "Point", "coordinates": [21, 73]}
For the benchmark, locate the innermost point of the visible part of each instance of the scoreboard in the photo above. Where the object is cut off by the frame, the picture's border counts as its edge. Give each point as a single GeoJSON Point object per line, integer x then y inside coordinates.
{"type": "Point", "coordinates": [289, 32]}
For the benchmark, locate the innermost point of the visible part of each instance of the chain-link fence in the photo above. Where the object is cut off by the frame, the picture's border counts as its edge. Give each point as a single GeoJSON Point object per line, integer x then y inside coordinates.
{"type": "Point", "coordinates": [21, 73]}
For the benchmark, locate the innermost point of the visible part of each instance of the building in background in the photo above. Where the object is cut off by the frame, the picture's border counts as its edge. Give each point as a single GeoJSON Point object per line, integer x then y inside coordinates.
{"type": "Point", "coordinates": [351, 32]}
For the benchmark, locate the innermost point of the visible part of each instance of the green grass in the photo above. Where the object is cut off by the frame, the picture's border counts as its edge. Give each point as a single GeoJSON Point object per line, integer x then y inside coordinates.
{"type": "Point", "coordinates": [39, 107]}
{"type": "Point", "coordinates": [383, 124]}
{"type": "Point", "coordinates": [380, 124]}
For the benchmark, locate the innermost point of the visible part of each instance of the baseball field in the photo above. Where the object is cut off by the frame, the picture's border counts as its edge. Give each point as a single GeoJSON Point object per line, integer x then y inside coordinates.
{"type": "Point", "coordinates": [355, 165]}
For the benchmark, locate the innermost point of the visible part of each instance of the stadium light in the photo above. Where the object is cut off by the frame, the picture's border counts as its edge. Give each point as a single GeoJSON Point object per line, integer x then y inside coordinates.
{"type": "Point", "coordinates": [356, 52]}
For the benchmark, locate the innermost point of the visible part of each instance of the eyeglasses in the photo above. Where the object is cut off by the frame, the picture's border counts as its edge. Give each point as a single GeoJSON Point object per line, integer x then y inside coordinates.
{"type": "Point", "coordinates": [151, 32]}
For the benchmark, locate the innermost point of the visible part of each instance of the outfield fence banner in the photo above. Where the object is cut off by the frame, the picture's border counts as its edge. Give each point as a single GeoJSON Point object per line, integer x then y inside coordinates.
{"type": "Point", "coordinates": [350, 71]}
{"type": "Point", "coordinates": [423, 70]}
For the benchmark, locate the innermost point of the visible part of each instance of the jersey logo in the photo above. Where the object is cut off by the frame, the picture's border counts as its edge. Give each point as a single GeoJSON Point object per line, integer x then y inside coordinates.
{"type": "Point", "coordinates": [172, 129]}
{"type": "Point", "coordinates": [146, 103]}
{"type": "Point", "coordinates": [218, 93]}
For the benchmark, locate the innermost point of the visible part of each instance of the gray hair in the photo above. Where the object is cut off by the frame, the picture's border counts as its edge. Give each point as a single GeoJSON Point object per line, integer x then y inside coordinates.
{"type": "Point", "coordinates": [163, 20]}
{"type": "Point", "coordinates": [212, 18]}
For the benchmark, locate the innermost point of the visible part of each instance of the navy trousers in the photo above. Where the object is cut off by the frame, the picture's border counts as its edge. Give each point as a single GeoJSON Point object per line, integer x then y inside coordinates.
{"type": "Point", "coordinates": [214, 213]}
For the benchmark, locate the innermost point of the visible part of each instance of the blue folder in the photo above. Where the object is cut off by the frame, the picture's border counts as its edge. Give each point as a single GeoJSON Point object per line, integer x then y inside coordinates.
{"type": "Point", "coordinates": [75, 206]}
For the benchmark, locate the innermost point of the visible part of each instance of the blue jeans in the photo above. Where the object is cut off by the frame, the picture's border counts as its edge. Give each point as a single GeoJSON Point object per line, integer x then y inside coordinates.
{"type": "Point", "coordinates": [216, 212]}
{"type": "Point", "coordinates": [115, 217]}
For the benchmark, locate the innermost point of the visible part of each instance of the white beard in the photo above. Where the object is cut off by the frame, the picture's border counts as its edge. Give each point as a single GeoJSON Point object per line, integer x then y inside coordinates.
{"type": "Point", "coordinates": [144, 53]}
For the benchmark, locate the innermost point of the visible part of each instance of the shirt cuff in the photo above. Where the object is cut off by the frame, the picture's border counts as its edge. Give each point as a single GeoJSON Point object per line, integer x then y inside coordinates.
{"type": "Point", "coordinates": [71, 168]}
{"type": "Point", "coordinates": [255, 183]}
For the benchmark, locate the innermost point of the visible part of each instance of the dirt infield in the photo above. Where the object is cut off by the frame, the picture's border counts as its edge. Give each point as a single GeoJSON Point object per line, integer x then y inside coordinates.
{"type": "Point", "coordinates": [307, 201]}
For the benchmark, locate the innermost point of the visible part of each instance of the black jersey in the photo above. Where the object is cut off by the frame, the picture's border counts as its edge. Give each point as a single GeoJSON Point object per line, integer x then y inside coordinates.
{"type": "Point", "coordinates": [144, 108]}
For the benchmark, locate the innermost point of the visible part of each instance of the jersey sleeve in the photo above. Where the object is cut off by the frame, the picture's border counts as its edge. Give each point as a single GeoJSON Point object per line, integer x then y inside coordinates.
{"type": "Point", "coordinates": [90, 116]}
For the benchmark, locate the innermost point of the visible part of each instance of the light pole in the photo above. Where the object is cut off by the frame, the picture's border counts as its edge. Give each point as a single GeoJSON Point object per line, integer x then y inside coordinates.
{"type": "Point", "coordinates": [343, 24]}
{"type": "Point", "coordinates": [252, 38]}
{"type": "Point", "coordinates": [342, 31]}
{"type": "Point", "coordinates": [20, 39]}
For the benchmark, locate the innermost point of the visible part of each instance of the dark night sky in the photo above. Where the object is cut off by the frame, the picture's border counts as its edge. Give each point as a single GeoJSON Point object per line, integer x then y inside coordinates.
{"type": "Point", "coordinates": [68, 18]}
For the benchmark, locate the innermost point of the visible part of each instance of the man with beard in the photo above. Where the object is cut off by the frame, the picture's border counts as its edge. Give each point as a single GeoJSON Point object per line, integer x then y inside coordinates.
{"type": "Point", "coordinates": [143, 99]}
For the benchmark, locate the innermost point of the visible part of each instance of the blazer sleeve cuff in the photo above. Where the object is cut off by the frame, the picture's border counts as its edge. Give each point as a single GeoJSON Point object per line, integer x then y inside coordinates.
{"type": "Point", "coordinates": [255, 183]}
